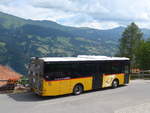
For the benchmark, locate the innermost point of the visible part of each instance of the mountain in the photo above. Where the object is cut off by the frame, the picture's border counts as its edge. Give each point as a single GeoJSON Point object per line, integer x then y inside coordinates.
{"type": "Point", "coordinates": [21, 39]}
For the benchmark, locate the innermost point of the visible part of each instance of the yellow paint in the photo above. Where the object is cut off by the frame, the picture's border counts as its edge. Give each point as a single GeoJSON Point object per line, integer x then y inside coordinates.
{"type": "Point", "coordinates": [108, 79]}
{"type": "Point", "coordinates": [60, 87]}
{"type": "Point", "coordinates": [86, 82]}
{"type": "Point", "coordinates": [120, 77]}
{"type": "Point", "coordinates": [51, 88]}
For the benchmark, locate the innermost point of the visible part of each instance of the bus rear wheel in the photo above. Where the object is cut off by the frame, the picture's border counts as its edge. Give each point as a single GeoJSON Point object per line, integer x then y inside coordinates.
{"type": "Point", "coordinates": [78, 89]}
{"type": "Point", "coordinates": [115, 83]}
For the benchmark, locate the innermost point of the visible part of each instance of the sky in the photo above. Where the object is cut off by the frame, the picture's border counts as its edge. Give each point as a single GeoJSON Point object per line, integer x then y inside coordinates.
{"type": "Point", "coordinates": [99, 14]}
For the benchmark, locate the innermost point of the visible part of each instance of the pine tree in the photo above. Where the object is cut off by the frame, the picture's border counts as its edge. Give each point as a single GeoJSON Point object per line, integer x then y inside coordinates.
{"type": "Point", "coordinates": [130, 42]}
{"type": "Point", "coordinates": [143, 55]}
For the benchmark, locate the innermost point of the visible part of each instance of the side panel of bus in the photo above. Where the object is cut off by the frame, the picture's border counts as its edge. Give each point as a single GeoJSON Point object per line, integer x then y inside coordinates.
{"type": "Point", "coordinates": [85, 81]}
{"type": "Point", "coordinates": [51, 88]}
{"type": "Point", "coordinates": [101, 75]}
{"type": "Point", "coordinates": [60, 87]}
{"type": "Point", "coordinates": [65, 86]}
{"type": "Point", "coordinates": [108, 79]}
{"type": "Point", "coordinates": [114, 70]}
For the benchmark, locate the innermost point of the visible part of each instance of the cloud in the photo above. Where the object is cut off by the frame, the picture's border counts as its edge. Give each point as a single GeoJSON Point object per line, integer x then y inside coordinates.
{"type": "Point", "coordinates": [22, 8]}
{"type": "Point", "coordinates": [121, 12]}
{"type": "Point", "coordinates": [72, 6]}
{"type": "Point", "coordinates": [126, 10]}
{"type": "Point", "coordinates": [101, 14]}
{"type": "Point", "coordinates": [5, 1]}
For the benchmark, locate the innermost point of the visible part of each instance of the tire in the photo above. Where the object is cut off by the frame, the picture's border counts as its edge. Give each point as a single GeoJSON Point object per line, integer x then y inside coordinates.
{"type": "Point", "coordinates": [78, 89]}
{"type": "Point", "coordinates": [115, 84]}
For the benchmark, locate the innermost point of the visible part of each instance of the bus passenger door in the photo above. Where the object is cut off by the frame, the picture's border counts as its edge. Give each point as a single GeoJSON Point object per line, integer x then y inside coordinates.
{"type": "Point", "coordinates": [97, 80]}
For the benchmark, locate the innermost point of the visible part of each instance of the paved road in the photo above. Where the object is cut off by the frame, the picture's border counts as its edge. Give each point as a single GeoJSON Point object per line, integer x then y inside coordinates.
{"type": "Point", "coordinates": [134, 98]}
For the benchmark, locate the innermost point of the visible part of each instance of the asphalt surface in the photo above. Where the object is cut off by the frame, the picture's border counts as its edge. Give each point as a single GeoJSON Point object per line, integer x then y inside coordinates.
{"type": "Point", "coordinates": [133, 98]}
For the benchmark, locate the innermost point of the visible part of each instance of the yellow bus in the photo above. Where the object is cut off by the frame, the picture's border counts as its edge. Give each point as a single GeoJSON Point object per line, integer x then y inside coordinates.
{"type": "Point", "coordinates": [53, 76]}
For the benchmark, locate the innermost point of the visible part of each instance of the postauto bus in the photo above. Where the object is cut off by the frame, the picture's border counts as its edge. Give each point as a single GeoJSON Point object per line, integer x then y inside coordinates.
{"type": "Point", "coordinates": [51, 76]}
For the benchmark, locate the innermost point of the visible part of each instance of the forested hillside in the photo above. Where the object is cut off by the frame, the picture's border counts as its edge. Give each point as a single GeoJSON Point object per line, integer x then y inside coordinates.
{"type": "Point", "coordinates": [21, 39]}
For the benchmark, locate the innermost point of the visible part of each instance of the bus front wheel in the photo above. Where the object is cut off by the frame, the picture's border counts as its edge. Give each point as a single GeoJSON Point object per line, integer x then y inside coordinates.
{"type": "Point", "coordinates": [115, 83]}
{"type": "Point", "coordinates": [78, 89]}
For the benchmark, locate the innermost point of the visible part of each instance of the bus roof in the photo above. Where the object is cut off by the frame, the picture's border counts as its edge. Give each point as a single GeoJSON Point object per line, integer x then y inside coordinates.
{"type": "Point", "coordinates": [81, 58]}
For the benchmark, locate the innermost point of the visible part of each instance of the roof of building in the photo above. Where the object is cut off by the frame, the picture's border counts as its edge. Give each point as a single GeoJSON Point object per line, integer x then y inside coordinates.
{"type": "Point", "coordinates": [82, 58]}
{"type": "Point", "coordinates": [8, 74]}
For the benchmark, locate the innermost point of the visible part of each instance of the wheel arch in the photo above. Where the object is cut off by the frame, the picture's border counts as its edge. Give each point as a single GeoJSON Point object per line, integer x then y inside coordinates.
{"type": "Point", "coordinates": [116, 80]}
{"type": "Point", "coordinates": [78, 84]}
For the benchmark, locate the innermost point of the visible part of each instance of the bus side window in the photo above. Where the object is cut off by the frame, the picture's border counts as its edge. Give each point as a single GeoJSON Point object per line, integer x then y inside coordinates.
{"type": "Point", "coordinates": [106, 68]}
{"type": "Point", "coordinates": [89, 69]}
{"type": "Point", "coordinates": [116, 67]}
{"type": "Point", "coordinates": [73, 70]}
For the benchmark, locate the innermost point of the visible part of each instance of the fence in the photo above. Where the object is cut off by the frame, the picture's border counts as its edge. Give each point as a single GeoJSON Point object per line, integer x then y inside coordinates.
{"type": "Point", "coordinates": [7, 84]}
{"type": "Point", "coordinates": [141, 75]}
